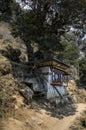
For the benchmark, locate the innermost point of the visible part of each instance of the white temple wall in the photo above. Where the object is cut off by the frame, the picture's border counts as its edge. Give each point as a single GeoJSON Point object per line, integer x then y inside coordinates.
{"type": "Point", "coordinates": [47, 81]}
{"type": "Point", "coordinates": [51, 91]}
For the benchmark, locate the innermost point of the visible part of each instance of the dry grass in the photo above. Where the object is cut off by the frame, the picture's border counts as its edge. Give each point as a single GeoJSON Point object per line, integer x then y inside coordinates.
{"type": "Point", "coordinates": [80, 93]}
{"type": "Point", "coordinates": [80, 123]}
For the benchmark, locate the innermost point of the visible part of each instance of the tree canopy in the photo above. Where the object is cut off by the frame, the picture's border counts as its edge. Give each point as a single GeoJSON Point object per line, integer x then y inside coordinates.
{"type": "Point", "coordinates": [82, 68]}
{"type": "Point", "coordinates": [45, 21]}
{"type": "Point", "coordinates": [70, 51]}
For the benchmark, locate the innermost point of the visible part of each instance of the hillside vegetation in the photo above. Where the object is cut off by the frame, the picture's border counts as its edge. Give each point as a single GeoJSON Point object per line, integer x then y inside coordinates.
{"type": "Point", "coordinates": [49, 29]}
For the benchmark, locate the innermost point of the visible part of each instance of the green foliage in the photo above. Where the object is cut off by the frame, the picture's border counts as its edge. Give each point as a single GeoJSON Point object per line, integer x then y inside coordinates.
{"type": "Point", "coordinates": [70, 51]}
{"type": "Point", "coordinates": [84, 47]}
{"type": "Point", "coordinates": [82, 70]}
{"type": "Point", "coordinates": [36, 29]}
{"type": "Point", "coordinates": [45, 23]}
{"type": "Point", "coordinates": [74, 11]}
{"type": "Point", "coordinates": [5, 10]}
{"type": "Point", "coordinates": [8, 8]}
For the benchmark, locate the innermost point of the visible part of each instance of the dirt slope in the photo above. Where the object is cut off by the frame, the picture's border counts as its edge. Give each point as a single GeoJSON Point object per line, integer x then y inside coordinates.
{"type": "Point", "coordinates": [27, 119]}
{"type": "Point", "coordinates": [67, 121]}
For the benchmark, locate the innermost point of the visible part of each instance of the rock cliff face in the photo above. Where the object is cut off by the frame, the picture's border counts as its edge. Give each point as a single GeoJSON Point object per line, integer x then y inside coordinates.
{"type": "Point", "coordinates": [12, 53]}
{"type": "Point", "coordinates": [11, 47]}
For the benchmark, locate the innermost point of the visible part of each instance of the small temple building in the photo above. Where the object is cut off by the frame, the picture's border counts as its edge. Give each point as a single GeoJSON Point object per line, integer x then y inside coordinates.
{"type": "Point", "coordinates": [51, 78]}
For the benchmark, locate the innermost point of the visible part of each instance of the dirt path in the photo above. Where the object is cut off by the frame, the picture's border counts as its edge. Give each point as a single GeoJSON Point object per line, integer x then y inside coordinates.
{"type": "Point", "coordinates": [31, 120]}
{"type": "Point", "coordinates": [66, 122]}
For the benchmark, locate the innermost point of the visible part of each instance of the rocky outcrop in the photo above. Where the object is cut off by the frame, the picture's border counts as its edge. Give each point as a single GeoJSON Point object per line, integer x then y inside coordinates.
{"type": "Point", "coordinates": [11, 54]}
{"type": "Point", "coordinates": [5, 65]}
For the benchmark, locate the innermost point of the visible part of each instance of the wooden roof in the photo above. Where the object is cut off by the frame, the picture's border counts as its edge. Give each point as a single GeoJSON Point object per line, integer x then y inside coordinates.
{"type": "Point", "coordinates": [56, 64]}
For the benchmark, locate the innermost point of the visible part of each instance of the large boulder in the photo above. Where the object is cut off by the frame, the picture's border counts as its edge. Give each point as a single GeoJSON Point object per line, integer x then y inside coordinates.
{"type": "Point", "coordinates": [10, 52]}
{"type": "Point", "coordinates": [27, 93]}
{"type": "Point", "coordinates": [5, 66]}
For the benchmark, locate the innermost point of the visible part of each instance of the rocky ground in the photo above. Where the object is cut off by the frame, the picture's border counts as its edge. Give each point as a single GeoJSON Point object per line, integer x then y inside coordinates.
{"type": "Point", "coordinates": [77, 91]}
{"type": "Point", "coordinates": [80, 123]}
{"type": "Point", "coordinates": [29, 119]}
{"type": "Point", "coordinates": [12, 52]}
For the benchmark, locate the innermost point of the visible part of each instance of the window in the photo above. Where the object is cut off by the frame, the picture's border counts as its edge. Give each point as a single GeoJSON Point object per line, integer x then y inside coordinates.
{"type": "Point", "coordinates": [56, 78]}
